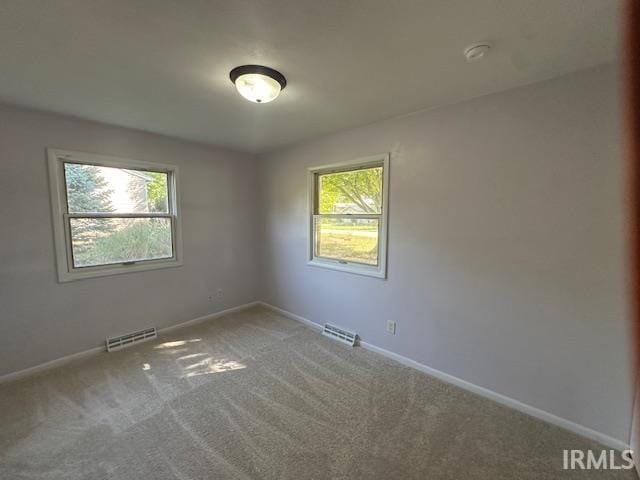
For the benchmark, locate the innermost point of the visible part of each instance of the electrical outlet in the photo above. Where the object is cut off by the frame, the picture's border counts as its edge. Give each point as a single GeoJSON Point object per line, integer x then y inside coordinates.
{"type": "Point", "coordinates": [219, 293]}
{"type": "Point", "coordinates": [391, 327]}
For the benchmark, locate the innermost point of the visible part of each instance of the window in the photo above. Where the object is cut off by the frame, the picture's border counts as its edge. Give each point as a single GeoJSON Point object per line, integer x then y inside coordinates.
{"type": "Point", "coordinates": [348, 216]}
{"type": "Point", "coordinates": [112, 215]}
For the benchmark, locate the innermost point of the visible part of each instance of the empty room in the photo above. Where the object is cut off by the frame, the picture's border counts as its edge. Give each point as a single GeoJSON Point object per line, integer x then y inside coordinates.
{"type": "Point", "coordinates": [341, 239]}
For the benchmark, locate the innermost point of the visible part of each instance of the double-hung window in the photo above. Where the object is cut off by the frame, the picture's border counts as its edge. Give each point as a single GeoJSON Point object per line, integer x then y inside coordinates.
{"type": "Point", "coordinates": [348, 216]}
{"type": "Point", "coordinates": [112, 215]}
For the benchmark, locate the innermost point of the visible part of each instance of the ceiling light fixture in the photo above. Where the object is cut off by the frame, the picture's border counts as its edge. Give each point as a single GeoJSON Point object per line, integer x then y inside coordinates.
{"type": "Point", "coordinates": [476, 51]}
{"type": "Point", "coordinates": [257, 83]}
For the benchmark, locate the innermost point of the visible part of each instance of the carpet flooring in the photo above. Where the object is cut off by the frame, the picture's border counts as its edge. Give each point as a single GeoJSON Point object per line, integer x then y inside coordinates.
{"type": "Point", "coordinates": [255, 395]}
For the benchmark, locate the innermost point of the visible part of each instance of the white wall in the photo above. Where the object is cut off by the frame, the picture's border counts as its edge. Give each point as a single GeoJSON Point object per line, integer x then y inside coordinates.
{"type": "Point", "coordinates": [41, 319]}
{"type": "Point", "coordinates": [505, 245]}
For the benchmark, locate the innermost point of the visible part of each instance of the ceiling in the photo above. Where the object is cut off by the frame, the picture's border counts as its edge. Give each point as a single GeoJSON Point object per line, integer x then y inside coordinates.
{"type": "Point", "coordinates": [163, 65]}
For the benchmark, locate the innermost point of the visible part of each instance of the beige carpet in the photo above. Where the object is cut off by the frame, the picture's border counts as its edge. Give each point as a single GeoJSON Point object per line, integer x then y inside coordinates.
{"type": "Point", "coordinates": [255, 395]}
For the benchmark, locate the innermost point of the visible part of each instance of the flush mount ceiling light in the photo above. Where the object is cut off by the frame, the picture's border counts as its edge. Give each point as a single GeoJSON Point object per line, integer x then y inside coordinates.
{"type": "Point", "coordinates": [477, 51]}
{"type": "Point", "coordinates": [257, 83]}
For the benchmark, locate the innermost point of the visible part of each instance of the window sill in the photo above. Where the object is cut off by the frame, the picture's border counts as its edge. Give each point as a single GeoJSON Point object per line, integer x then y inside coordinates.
{"type": "Point", "coordinates": [375, 272]}
{"type": "Point", "coordinates": [94, 272]}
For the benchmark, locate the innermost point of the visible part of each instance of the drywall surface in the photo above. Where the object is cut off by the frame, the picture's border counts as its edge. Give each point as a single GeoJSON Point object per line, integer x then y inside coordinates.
{"type": "Point", "coordinates": [506, 245]}
{"type": "Point", "coordinates": [41, 319]}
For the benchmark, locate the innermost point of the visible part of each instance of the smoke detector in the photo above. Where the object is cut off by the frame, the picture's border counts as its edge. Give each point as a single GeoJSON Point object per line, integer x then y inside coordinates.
{"type": "Point", "coordinates": [476, 51]}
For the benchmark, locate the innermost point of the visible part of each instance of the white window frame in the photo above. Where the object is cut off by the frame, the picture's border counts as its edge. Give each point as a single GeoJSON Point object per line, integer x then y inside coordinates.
{"type": "Point", "coordinates": [378, 271]}
{"type": "Point", "coordinates": [61, 224]}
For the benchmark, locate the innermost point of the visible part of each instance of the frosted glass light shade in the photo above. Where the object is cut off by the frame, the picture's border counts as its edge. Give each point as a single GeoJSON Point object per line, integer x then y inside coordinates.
{"type": "Point", "coordinates": [258, 88]}
{"type": "Point", "coordinates": [257, 83]}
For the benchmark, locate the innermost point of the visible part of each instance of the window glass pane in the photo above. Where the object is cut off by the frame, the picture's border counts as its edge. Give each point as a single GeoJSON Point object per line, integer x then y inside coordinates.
{"type": "Point", "coordinates": [355, 191]}
{"type": "Point", "coordinates": [102, 241]}
{"type": "Point", "coordinates": [96, 189]}
{"type": "Point", "coordinates": [348, 239]}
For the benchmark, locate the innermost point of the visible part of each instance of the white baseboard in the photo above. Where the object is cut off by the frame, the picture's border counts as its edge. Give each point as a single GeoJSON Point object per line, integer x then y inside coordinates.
{"type": "Point", "coordinates": [51, 364]}
{"type": "Point", "coordinates": [210, 316]}
{"type": "Point", "coordinates": [293, 316]}
{"type": "Point", "coordinates": [101, 349]}
{"type": "Point", "coordinates": [484, 392]}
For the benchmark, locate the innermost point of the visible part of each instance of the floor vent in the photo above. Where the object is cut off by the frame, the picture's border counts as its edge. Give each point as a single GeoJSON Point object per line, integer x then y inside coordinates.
{"type": "Point", "coordinates": [339, 334]}
{"type": "Point", "coordinates": [116, 343]}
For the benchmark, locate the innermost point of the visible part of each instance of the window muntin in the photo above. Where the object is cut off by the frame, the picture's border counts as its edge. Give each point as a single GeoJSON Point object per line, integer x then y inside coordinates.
{"type": "Point", "coordinates": [348, 216]}
{"type": "Point", "coordinates": [113, 215]}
